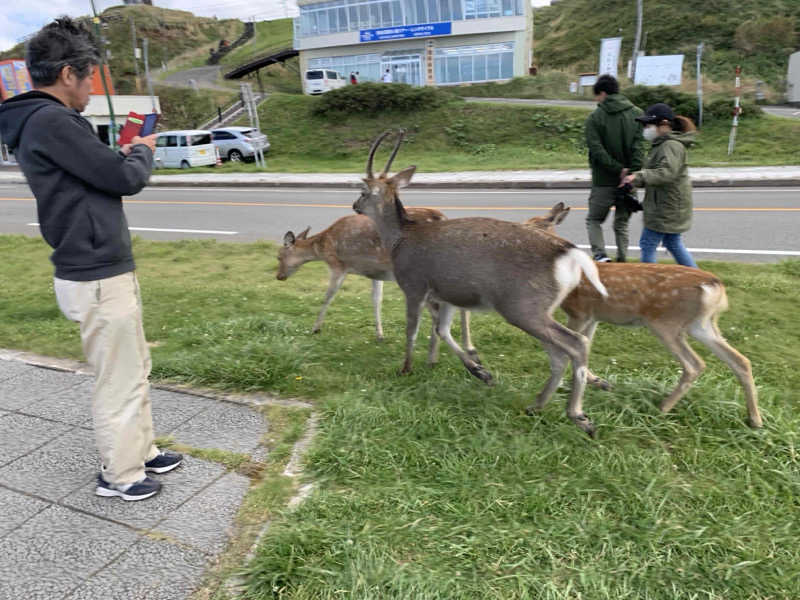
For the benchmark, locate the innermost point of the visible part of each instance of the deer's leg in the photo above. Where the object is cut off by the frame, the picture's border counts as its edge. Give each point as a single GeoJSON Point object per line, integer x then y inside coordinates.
{"type": "Point", "coordinates": [433, 348]}
{"type": "Point", "coordinates": [708, 333]}
{"type": "Point", "coordinates": [558, 339]}
{"type": "Point", "coordinates": [335, 283]}
{"type": "Point", "coordinates": [466, 336]}
{"type": "Point", "coordinates": [413, 310]}
{"type": "Point", "coordinates": [693, 365]}
{"type": "Point", "coordinates": [558, 363]}
{"type": "Point", "coordinates": [587, 327]}
{"type": "Point", "coordinates": [446, 314]}
{"type": "Point", "coordinates": [377, 300]}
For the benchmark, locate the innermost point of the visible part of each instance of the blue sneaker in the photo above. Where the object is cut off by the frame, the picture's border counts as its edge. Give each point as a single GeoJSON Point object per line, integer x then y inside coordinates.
{"type": "Point", "coordinates": [141, 490]}
{"type": "Point", "coordinates": [164, 462]}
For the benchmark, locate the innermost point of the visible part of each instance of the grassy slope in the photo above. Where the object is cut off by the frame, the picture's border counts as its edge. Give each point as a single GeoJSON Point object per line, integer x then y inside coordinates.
{"type": "Point", "coordinates": [568, 33]}
{"type": "Point", "coordinates": [184, 109]}
{"type": "Point", "coordinates": [467, 136]}
{"type": "Point", "coordinates": [435, 486]}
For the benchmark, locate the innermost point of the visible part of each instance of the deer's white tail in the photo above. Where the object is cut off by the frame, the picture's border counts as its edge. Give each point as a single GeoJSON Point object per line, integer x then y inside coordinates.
{"type": "Point", "coordinates": [589, 269]}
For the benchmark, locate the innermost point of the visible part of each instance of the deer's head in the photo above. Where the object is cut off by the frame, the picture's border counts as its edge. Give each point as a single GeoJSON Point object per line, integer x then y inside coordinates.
{"type": "Point", "coordinates": [290, 258]}
{"type": "Point", "coordinates": [548, 222]}
{"type": "Point", "coordinates": [379, 194]}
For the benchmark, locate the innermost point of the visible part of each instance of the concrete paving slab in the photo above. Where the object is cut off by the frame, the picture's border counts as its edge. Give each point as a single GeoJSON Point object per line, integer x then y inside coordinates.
{"type": "Point", "coordinates": [171, 410]}
{"type": "Point", "coordinates": [225, 426]}
{"type": "Point", "coordinates": [59, 467]}
{"type": "Point", "coordinates": [35, 581]}
{"type": "Point", "coordinates": [33, 385]}
{"type": "Point", "coordinates": [11, 368]}
{"type": "Point", "coordinates": [21, 434]}
{"type": "Point", "coordinates": [149, 570]}
{"type": "Point", "coordinates": [198, 522]}
{"type": "Point", "coordinates": [16, 508]}
{"type": "Point", "coordinates": [67, 539]}
{"type": "Point", "coordinates": [179, 486]}
{"type": "Point", "coordinates": [68, 406]}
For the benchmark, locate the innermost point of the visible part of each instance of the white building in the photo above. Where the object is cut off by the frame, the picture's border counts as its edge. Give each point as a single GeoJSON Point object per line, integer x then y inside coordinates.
{"type": "Point", "coordinates": [422, 42]}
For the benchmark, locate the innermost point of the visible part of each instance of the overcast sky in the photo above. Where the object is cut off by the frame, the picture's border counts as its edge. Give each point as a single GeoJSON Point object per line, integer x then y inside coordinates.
{"type": "Point", "coordinates": [23, 17]}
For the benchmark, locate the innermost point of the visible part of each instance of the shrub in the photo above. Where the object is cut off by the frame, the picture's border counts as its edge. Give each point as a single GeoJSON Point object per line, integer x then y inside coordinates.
{"type": "Point", "coordinates": [686, 104]}
{"type": "Point", "coordinates": [374, 98]}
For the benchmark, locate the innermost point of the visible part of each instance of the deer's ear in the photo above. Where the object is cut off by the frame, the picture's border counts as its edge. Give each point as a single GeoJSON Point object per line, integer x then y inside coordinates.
{"type": "Point", "coordinates": [561, 216]}
{"type": "Point", "coordinates": [403, 178]}
{"type": "Point", "coordinates": [304, 234]}
{"type": "Point", "coordinates": [288, 239]}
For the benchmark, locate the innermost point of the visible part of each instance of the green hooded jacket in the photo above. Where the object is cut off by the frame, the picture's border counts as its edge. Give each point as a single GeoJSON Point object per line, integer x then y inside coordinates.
{"type": "Point", "coordinates": [614, 139]}
{"type": "Point", "coordinates": [668, 189]}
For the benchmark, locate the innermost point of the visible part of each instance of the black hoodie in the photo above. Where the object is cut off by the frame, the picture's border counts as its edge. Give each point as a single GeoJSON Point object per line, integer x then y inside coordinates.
{"type": "Point", "coordinates": [78, 183]}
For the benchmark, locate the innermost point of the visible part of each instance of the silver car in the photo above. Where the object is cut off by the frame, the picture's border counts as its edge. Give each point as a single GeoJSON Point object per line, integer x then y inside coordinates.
{"type": "Point", "coordinates": [238, 143]}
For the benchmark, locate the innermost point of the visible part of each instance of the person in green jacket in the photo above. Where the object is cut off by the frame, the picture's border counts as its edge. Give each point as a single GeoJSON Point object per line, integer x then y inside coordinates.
{"type": "Point", "coordinates": [615, 143]}
{"type": "Point", "coordinates": [665, 177]}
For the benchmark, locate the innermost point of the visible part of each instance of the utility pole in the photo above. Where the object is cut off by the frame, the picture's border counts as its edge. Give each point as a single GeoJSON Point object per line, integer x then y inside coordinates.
{"type": "Point", "coordinates": [699, 86]}
{"type": "Point", "coordinates": [639, 9]}
{"type": "Point", "coordinates": [112, 119]}
{"type": "Point", "coordinates": [145, 43]}
{"type": "Point", "coordinates": [135, 53]}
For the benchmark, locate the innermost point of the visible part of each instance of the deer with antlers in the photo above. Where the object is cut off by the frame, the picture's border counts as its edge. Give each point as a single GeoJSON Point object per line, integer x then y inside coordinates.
{"type": "Point", "coordinates": [670, 300]}
{"type": "Point", "coordinates": [478, 263]}
{"type": "Point", "coordinates": [352, 245]}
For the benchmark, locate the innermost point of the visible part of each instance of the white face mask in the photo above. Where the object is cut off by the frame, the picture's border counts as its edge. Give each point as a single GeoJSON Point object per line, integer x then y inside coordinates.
{"type": "Point", "coordinates": [650, 133]}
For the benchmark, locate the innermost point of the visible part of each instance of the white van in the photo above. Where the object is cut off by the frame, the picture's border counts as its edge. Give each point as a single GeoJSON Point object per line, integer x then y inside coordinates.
{"type": "Point", "coordinates": [319, 81]}
{"type": "Point", "coordinates": [184, 149]}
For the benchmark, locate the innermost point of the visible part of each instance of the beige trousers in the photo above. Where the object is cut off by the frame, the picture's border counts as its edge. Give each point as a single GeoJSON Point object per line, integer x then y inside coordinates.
{"type": "Point", "coordinates": [110, 314]}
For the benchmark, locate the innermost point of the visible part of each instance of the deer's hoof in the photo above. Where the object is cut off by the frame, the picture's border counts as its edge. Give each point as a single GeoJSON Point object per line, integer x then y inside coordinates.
{"type": "Point", "coordinates": [380, 338]}
{"type": "Point", "coordinates": [482, 374]}
{"type": "Point", "coordinates": [601, 384]}
{"type": "Point", "coordinates": [405, 371]}
{"type": "Point", "coordinates": [316, 330]}
{"type": "Point", "coordinates": [586, 425]}
{"type": "Point", "coordinates": [533, 410]}
{"type": "Point", "coordinates": [755, 423]}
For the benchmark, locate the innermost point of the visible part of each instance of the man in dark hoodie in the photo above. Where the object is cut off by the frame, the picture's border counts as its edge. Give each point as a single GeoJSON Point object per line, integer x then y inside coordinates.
{"type": "Point", "coordinates": [616, 146]}
{"type": "Point", "coordinates": [78, 183]}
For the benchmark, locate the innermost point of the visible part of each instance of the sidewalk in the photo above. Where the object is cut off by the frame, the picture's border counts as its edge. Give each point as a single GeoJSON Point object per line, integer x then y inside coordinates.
{"type": "Point", "coordinates": [572, 178]}
{"type": "Point", "coordinates": [58, 540]}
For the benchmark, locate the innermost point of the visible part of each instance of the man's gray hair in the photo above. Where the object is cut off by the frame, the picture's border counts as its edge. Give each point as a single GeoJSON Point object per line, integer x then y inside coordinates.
{"type": "Point", "coordinates": [63, 42]}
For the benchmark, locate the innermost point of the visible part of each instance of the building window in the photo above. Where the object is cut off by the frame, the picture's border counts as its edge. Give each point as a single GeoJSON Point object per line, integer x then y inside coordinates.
{"type": "Point", "coordinates": [367, 65]}
{"type": "Point", "coordinates": [351, 15]}
{"type": "Point", "coordinates": [463, 64]}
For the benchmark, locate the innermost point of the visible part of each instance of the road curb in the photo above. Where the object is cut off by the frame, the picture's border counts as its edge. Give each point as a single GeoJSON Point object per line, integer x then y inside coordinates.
{"type": "Point", "coordinates": [511, 183]}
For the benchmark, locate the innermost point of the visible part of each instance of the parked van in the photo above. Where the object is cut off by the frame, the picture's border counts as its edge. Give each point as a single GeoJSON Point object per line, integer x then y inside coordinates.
{"type": "Point", "coordinates": [184, 149]}
{"type": "Point", "coordinates": [319, 81]}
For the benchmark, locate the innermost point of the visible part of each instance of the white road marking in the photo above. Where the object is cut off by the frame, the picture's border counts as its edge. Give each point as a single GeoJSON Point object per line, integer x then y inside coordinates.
{"type": "Point", "coordinates": [205, 231]}
{"type": "Point", "coordinates": [473, 192]}
{"type": "Point", "coordinates": [720, 251]}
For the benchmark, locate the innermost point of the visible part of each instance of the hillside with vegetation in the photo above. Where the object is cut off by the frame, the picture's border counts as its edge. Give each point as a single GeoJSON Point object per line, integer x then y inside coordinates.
{"type": "Point", "coordinates": [757, 35]}
{"type": "Point", "coordinates": [170, 33]}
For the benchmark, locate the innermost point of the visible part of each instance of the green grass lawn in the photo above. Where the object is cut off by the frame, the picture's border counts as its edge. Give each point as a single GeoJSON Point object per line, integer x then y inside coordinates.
{"type": "Point", "coordinates": [468, 136]}
{"type": "Point", "coordinates": [435, 486]}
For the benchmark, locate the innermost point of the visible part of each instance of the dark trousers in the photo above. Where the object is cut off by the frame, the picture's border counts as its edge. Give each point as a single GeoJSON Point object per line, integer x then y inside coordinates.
{"type": "Point", "coordinates": [601, 200]}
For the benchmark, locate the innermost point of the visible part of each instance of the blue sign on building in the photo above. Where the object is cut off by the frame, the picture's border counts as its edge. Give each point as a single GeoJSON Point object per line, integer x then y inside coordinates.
{"type": "Point", "coordinates": [405, 31]}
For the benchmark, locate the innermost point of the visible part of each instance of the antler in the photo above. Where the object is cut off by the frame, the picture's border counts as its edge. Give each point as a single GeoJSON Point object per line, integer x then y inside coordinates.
{"type": "Point", "coordinates": [400, 137]}
{"type": "Point", "coordinates": [375, 144]}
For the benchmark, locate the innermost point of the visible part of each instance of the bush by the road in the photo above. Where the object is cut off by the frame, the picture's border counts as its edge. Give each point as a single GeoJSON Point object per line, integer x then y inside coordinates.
{"type": "Point", "coordinates": [374, 98]}
{"type": "Point", "coordinates": [686, 104]}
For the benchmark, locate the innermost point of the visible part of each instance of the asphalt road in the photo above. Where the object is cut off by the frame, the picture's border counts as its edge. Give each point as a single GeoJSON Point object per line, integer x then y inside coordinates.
{"type": "Point", "coordinates": [778, 111]}
{"type": "Point", "coordinates": [741, 224]}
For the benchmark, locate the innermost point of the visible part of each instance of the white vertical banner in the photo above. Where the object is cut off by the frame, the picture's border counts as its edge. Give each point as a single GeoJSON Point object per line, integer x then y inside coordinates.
{"type": "Point", "coordinates": [609, 56]}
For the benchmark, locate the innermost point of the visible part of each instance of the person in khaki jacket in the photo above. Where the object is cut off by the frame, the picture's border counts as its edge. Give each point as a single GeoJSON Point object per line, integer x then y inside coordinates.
{"type": "Point", "coordinates": [668, 189]}
{"type": "Point", "coordinates": [78, 183]}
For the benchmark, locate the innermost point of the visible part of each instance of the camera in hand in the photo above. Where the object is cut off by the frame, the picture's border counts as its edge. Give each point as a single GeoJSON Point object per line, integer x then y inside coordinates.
{"type": "Point", "coordinates": [626, 198]}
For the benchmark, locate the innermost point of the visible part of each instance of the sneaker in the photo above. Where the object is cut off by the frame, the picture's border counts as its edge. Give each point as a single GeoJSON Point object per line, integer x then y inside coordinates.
{"type": "Point", "coordinates": [164, 462]}
{"type": "Point", "coordinates": [601, 258]}
{"type": "Point", "coordinates": [141, 490]}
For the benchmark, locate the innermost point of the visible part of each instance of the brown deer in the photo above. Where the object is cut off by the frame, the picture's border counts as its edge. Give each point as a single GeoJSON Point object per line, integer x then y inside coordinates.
{"type": "Point", "coordinates": [352, 245]}
{"type": "Point", "coordinates": [670, 300]}
{"type": "Point", "coordinates": [478, 263]}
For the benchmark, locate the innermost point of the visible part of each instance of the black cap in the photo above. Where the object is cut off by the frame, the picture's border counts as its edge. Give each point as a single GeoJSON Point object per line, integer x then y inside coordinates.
{"type": "Point", "coordinates": [656, 113]}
